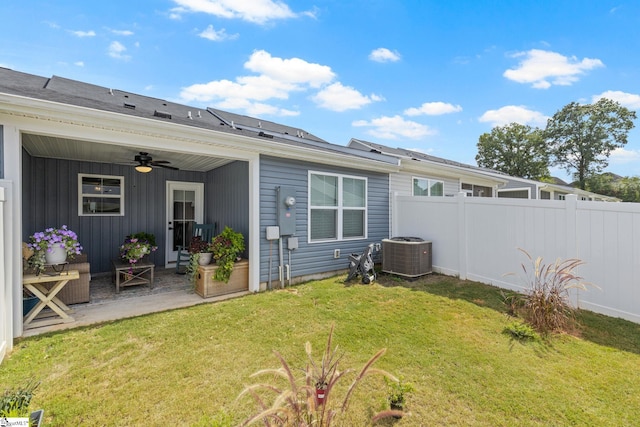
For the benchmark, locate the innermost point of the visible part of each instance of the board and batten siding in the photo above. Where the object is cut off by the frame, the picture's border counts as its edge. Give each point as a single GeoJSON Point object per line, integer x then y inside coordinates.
{"type": "Point", "coordinates": [50, 199]}
{"type": "Point", "coordinates": [312, 259]}
{"type": "Point", "coordinates": [227, 198]}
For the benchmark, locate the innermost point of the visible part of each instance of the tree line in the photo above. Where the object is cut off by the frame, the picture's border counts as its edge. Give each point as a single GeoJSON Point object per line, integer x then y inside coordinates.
{"type": "Point", "coordinates": [579, 138]}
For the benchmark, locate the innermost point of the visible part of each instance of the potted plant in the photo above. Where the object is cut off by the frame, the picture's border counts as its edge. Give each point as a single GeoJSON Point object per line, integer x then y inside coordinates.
{"type": "Point", "coordinates": [136, 246]}
{"type": "Point", "coordinates": [226, 247]}
{"type": "Point", "coordinates": [396, 390]}
{"type": "Point", "coordinates": [199, 254]}
{"type": "Point", "coordinates": [52, 246]}
{"type": "Point", "coordinates": [201, 250]}
{"type": "Point", "coordinates": [15, 404]}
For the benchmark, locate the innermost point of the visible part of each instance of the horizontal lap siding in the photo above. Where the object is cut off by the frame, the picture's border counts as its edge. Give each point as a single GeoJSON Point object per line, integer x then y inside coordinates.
{"type": "Point", "coordinates": [314, 258]}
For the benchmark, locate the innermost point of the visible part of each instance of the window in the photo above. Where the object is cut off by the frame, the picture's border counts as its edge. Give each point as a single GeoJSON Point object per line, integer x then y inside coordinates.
{"type": "Point", "coordinates": [477, 190]}
{"type": "Point", "coordinates": [100, 195]}
{"type": "Point", "coordinates": [428, 187]}
{"type": "Point", "coordinates": [337, 207]}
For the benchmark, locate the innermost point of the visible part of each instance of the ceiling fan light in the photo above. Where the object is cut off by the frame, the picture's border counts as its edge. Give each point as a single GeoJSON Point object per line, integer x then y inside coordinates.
{"type": "Point", "coordinates": [144, 168]}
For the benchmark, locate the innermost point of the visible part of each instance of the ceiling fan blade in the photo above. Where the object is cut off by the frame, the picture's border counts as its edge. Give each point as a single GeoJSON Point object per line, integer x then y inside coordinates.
{"type": "Point", "coordinates": [162, 165]}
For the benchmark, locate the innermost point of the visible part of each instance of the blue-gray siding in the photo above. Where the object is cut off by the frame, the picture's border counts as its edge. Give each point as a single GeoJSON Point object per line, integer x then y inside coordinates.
{"type": "Point", "coordinates": [50, 199]}
{"type": "Point", "coordinates": [227, 198]}
{"type": "Point", "coordinates": [314, 258]}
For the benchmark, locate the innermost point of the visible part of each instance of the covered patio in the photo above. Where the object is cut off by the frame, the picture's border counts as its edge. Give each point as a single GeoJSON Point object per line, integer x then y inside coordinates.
{"type": "Point", "coordinates": [170, 291]}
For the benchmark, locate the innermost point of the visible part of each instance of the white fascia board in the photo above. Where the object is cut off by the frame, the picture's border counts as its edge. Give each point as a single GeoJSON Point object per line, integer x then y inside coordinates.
{"type": "Point", "coordinates": [451, 171]}
{"type": "Point", "coordinates": [238, 146]}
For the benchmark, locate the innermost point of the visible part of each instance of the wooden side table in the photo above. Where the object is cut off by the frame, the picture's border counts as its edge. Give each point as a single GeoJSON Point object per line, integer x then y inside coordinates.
{"type": "Point", "coordinates": [46, 287]}
{"type": "Point", "coordinates": [125, 274]}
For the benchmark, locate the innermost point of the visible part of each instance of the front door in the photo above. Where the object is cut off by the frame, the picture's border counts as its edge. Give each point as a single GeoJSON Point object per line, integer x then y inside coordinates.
{"type": "Point", "coordinates": [184, 208]}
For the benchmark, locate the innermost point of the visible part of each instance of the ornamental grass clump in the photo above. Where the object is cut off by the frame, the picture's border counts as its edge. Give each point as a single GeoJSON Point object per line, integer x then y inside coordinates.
{"type": "Point", "coordinates": [297, 402]}
{"type": "Point", "coordinates": [546, 305]}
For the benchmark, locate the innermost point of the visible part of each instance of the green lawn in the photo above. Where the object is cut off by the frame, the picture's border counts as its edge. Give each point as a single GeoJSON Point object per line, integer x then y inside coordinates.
{"type": "Point", "coordinates": [445, 336]}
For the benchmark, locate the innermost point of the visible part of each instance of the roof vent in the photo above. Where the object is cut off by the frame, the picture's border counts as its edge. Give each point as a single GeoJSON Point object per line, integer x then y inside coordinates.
{"type": "Point", "coordinates": [265, 135]}
{"type": "Point", "coordinates": [189, 115]}
{"type": "Point", "coordinates": [162, 114]}
{"type": "Point", "coordinates": [110, 91]}
{"type": "Point", "coordinates": [129, 106]}
{"type": "Point", "coordinates": [199, 115]}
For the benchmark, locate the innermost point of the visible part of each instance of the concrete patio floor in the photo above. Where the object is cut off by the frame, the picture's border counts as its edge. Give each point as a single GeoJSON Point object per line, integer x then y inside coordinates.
{"type": "Point", "coordinates": [170, 291]}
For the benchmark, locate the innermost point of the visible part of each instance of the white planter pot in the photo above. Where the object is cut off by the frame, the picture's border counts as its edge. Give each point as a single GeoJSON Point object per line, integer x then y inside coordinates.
{"type": "Point", "coordinates": [205, 258]}
{"type": "Point", "coordinates": [56, 255]}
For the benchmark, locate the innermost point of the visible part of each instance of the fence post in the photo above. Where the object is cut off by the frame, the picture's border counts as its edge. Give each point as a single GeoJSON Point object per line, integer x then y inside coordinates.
{"type": "Point", "coordinates": [571, 206]}
{"type": "Point", "coordinates": [6, 294]}
{"type": "Point", "coordinates": [462, 235]}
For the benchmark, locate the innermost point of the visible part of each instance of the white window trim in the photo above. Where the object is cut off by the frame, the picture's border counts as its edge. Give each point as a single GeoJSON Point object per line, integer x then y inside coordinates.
{"type": "Point", "coordinates": [340, 208]}
{"type": "Point", "coordinates": [119, 196]}
{"type": "Point", "coordinates": [430, 182]}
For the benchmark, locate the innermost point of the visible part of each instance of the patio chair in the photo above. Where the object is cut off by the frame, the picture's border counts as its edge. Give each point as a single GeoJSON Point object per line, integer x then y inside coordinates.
{"type": "Point", "coordinates": [206, 232]}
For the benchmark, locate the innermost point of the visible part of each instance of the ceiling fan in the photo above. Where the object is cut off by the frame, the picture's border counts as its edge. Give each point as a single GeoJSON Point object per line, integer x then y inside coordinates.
{"type": "Point", "coordinates": [146, 163]}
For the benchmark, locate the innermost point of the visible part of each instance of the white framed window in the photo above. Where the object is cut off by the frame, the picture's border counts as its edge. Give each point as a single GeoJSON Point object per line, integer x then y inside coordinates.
{"type": "Point", "coordinates": [428, 187]}
{"type": "Point", "coordinates": [100, 195]}
{"type": "Point", "coordinates": [473, 190]}
{"type": "Point", "coordinates": [337, 207]}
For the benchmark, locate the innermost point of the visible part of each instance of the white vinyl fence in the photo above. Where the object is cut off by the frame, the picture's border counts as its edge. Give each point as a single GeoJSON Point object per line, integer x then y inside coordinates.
{"type": "Point", "coordinates": [478, 239]}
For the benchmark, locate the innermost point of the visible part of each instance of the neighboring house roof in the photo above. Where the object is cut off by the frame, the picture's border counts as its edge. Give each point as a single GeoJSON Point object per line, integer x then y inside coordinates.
{"type": "Point", "coordinates": [415, 161]}
{"type": "Point", "coordinates": [463, 170]}
{"type": "Point", "coordinates": [275, 136]}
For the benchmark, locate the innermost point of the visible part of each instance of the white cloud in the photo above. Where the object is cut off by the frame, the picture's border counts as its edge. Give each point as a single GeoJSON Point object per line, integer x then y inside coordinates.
{"type": "Point", "coordinates": [395, 127]}
{"type": "Point", "coordinates": [628, 100]}
{"type": "Point", "coordinates": [79, 64]}
{"type": "Point", "coordinates": [117, 50]}
{"type": "Point", "coordinates": [82, 34]}
{"type": "Point", "coordinates": [292, 70]}
{"type": "Point", "coordinates": [513, 114]}
{"type": "Point", "coordinates": [337, 97]}
{"type": "Point", "coordinates": [124, 33]}
{"type": "Point", "coordinates": [433, 109]}
{"type": "Point", "coordinates": [256, 88]}
{"type": "Point", "coordinates": [255, 108]}
{"type": "Point", "coordinates": [621, 156]}
{"type": "Point", "coordinates": [382, 54]}
{"type": "Point", "coordinates": [276, 79]}
{"type": "Point", "coordinates": [211, 34]}
{"type": "Point", "coordinates": [256, 11]}
{"type": "Point", "coordinates": [543, 68]}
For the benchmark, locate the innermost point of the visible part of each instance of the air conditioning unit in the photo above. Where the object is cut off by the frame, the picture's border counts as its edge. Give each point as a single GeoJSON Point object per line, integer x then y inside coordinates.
{"type": "Point", "coordinates": [406, 256]}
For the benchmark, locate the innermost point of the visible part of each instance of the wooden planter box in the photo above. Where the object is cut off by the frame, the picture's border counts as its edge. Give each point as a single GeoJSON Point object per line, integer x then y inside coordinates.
{"type": "Point", "coordinates": [207, 287]}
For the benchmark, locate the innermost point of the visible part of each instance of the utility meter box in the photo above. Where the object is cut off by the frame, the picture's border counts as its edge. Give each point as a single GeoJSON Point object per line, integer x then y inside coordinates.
{"type": "Point", "coordinates": [286, 197]}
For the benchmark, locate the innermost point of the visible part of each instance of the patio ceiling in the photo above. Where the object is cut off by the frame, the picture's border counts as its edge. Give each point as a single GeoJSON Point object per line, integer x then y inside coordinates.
{"type": "Point", "coordinates": [72, 149]}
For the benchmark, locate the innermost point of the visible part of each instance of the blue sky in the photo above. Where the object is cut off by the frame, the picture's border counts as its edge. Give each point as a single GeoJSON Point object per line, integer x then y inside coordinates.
{"type": "Point", "coordinates": [426, 75]}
